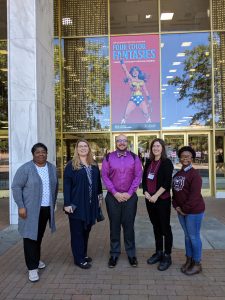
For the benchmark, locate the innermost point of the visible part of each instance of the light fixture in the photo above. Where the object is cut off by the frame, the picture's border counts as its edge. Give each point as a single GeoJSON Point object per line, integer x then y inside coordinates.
{"type": "Point", "coordinates": [169, 76]}
{"type": "Point", "coordinates": [192, 70]}
{"type": "Point", "coordinates": [186, 44]}
{"type": "Point", "coordinates": [3, 52]}
{"type": "Point", "coordinates": [162, 45]}
{"type": "Point", "coordinates": [176, 63]}
{"type": "Point", "coordinates": [166, 16]}
{"type": "Point", "coordinates": [173, 71]}
{"type": "Point", "coordinates": [165, 84]}
{"type": "Point", "coordinates": [148, 16]}
{"type": "Point", "coordinates": [181, 54]}
{"type": "Point", "coordinates": [67, 21]}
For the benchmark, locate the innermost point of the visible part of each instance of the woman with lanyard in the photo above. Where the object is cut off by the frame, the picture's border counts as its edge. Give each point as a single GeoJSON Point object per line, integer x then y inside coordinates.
{"type": "Point", "coordinates": [156, 185]}
{"type": "Point", "coordinates": [82, 199]}
{"type": "Point", "coordinates": [190, 207]}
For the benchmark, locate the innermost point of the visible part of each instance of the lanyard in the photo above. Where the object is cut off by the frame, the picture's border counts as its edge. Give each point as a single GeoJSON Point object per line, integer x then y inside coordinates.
{"type": "Point", "coordinates": [156, 168]}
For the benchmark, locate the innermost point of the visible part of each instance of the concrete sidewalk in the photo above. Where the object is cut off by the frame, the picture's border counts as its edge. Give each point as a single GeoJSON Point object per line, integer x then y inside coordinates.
{"type": "Point", "coordinates": [62, 280]}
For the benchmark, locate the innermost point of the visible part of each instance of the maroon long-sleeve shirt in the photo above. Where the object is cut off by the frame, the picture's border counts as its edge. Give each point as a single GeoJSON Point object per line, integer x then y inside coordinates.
{"type": "Point", "coordinates": [187, 191]}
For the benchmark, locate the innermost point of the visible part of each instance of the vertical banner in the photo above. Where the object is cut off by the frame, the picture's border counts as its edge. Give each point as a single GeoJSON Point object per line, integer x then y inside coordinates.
{"type": "Point", "coordinates": [135, 82]}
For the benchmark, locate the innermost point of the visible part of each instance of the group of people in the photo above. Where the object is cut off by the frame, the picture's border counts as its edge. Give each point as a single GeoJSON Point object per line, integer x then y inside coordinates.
{"type": "Point", "coordinates": [35, 187]}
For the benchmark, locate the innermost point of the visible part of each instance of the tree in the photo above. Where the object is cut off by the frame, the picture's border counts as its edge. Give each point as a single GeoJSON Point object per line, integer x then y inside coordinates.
{"type": "Point", "coordinates": [195, 83]}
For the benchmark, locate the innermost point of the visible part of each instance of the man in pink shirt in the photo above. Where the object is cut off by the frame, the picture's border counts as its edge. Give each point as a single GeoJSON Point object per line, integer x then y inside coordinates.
{"type": "Point", "coordinates": [121, 173]}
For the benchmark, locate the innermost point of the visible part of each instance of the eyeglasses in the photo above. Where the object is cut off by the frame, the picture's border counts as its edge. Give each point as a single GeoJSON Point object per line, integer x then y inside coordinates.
{"type": "Point", "coordinates": [121, 141]}
{"type": "Point", "coordinates": [185, 156]}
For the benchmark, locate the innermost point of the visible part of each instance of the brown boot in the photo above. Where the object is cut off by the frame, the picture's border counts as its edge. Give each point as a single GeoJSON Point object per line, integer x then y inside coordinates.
{"type": "Point", "coordinates": [186, 265]}
{"type": "Point", "coordinates": [195, 268]}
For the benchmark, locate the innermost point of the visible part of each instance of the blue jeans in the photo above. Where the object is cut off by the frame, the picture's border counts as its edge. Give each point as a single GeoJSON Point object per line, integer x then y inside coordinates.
{"type": "Point", "coordinates": [191, 225]}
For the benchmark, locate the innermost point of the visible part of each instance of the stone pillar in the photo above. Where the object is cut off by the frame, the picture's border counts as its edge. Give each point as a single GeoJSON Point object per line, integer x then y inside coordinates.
{"type": "Point", "coordinates": [30, 83]}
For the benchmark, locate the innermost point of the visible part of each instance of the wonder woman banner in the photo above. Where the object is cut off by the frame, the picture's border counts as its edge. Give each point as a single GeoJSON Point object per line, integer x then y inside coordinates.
{"type": "Point", "coordinates": [135, 85]}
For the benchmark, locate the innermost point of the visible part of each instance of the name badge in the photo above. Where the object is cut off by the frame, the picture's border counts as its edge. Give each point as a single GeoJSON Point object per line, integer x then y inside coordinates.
{"type": "Point", "coordinates": [151, 176]}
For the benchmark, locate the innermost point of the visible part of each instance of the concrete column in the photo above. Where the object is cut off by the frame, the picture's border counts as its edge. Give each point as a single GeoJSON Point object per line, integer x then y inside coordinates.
{"type": "Point", "coordinates": [30, 83]}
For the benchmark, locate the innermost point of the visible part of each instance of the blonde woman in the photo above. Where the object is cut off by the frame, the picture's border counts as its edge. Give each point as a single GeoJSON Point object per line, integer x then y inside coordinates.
{"type": "Point", "coordinates": [82, 198]}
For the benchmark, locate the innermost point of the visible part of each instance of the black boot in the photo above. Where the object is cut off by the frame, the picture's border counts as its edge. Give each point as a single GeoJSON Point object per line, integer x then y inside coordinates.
{"type": "Point", "coordinates": [165, 262]}
{"type": "Point", "coordinates": [155, 258]}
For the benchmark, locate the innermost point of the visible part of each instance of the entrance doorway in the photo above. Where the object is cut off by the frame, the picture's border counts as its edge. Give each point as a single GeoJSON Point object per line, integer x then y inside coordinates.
{"type": "Point", "coordinates": [139, 143]}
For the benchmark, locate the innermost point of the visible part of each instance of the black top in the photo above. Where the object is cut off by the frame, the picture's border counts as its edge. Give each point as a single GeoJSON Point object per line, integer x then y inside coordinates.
{"type": "Point", "coordinates": [164, 175]}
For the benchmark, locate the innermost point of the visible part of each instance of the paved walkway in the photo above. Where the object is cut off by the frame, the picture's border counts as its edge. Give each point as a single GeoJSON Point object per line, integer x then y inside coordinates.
{"type": "Point", "coordinates": [62, 280]}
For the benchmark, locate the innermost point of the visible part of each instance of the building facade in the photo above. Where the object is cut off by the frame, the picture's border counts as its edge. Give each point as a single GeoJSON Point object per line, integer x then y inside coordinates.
{"type": "Point", "coordinates": [177, 48]}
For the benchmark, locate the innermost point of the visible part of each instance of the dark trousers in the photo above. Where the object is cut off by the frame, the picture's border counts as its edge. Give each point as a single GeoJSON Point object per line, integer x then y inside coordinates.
{"type": "Point", "coordinates": [32, 248]}
{"type": "Point", "coordinates": [79, 239]}
{"type": "Point", "coordinates": [121, 213]}
{"type": "Point", "coordinates": [159, 214]}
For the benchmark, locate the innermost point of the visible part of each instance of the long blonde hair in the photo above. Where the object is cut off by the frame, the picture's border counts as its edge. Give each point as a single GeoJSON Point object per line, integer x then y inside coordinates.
{"type": "Point", "coordinates": [76, 159]}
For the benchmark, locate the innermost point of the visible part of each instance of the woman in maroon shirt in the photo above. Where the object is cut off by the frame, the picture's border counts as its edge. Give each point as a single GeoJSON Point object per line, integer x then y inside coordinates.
{"type": "Point", "coordinates": [156, 185]}
{"type": "Point", "coordinates": [190, 206]}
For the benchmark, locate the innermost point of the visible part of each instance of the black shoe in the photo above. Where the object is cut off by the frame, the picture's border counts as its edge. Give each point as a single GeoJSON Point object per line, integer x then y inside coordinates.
{"type": "Point", "coordinates": [155, 258]}
{"type": "Point", "coordinates": [88, 259]}
{"type": "Point", "coordinates": [133, 261]}
{"type": "Point", "coordinates": [112, 262]}
{"type": "Point", "coordinates": [84, 265]}
{"type": "Point", "coordinates": [165, 262]}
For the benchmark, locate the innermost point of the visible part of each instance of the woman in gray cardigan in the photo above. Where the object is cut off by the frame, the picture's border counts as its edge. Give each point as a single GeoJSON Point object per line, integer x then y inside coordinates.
{"type": "Point", "coordinates": [35, 187]}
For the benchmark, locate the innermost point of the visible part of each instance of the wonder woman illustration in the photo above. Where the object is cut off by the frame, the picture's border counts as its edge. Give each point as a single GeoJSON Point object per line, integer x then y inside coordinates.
{"type": "Point", "coordinates": [136, 80]}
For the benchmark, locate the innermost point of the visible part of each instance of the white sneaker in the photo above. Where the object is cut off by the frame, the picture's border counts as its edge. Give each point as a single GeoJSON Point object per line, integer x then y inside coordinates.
{"type": "Point", "coordinates": [33, 275]}
{"type": "Point", "coordinates": [41, 265]}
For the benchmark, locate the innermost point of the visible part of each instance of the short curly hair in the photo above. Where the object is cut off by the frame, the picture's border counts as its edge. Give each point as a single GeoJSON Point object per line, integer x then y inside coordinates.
{"type": "Point", "coordinates": [187, 148]}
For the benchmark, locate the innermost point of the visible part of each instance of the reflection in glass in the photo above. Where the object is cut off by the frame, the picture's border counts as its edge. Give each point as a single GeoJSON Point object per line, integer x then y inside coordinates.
{"type": "Point", "coordinates": [82, 18]}
{"type": "Point", "coordinates": [173, 144]}
{"type": "Point", "coordinates": [186, 80]}
{"type": "Point", "coordinates": [144, 142]}
{"type": "Point", "coordinates": [133, 16]}
{"type": "Point", "coordinates": [220, 166]}
{"type": "Point", "coordinates": [219, 77]}
{"type": "Point", "coordinates": [86, 105]}
{"type": "Point", "coordinates": [185, 15]}
{"type": "Point", "coordinates": [99, 143]}
{"type": "Point", "coordinates": [218, 14]}
{"type": "Point", "coordinates": [58, 162]}
{"type": "Point", "coordinates": [3, 86]}
{"type": "Point", "coordinates": [4, 164]}
{"type": "Point", "coordinates": [200, 144]}
{"type": "Point", "coordinates": [3, 20]}
{"type": "Point", "coordinates": [57, 83]}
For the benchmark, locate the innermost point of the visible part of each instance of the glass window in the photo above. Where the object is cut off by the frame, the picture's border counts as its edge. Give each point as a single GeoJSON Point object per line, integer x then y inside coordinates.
{"type": "Point", "coordinates": [219, 77]}
{"type": "Point", "coordinates": [3, 20]}
{"type": "Point", "coordinates": [218, 14]}
{"type": "Point", "coordinates": [183, 15]}
{"type": "Point", "coordinates": [200, 143]}
{"type": "Point", "coordinates": [56, 17]}
{"type": "Point", "coordinates": [4, 164]}
{"type": "Point", "coordinates": [220, 167]}
{"type": "Point", "coordinates": [57, 74]}
{"type": "Point", "coordinates": [82, 18]}
{"type": "Point", "coordinates": [186, 80]}
{"type": "Point", "coordinates": [86, 105]}
{"type": "Point", "coordinates": [133, 16]}
{"type": "Point", "coordinates": [173, 144]}
{"type": "Point", "coordinates": [59, 162]}
{"type": "Point", "coordinates": [99, 143]}
{"type": "Point", "coordinates": [3, 86]}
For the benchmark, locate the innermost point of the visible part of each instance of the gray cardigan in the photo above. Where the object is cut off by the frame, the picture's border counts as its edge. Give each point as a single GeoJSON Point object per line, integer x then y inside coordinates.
{"type": "Point", "coordinates": [27, 193]}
